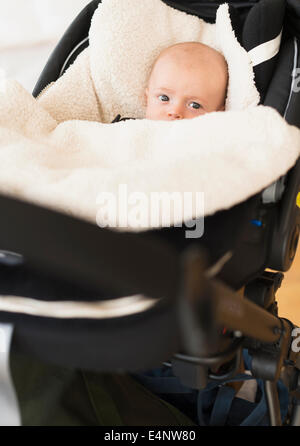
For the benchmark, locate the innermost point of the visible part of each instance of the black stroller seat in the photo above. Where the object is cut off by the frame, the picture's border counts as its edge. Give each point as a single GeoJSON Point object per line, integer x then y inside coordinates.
{"type": "Point", "coordinates": [49, 257]}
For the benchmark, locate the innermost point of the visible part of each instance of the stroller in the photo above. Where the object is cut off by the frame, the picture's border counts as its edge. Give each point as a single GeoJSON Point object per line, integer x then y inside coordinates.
{"type": "Point", "coordinates": [50, 257]}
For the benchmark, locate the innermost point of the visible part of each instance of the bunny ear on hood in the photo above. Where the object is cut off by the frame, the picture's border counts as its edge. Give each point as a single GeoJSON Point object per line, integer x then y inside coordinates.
{"type": "Point", "coordinates": [111, 75]}
{"type": "Point", "coordinates": [242, 91]}
{"type": "Point", "coordinates": [122, 50]}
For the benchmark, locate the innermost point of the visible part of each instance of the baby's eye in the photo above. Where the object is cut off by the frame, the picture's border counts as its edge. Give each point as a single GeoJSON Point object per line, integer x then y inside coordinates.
{"type": "Point", "coordinates": [163, 98]}
{"type": "Point", "coordinates": [195, 105]}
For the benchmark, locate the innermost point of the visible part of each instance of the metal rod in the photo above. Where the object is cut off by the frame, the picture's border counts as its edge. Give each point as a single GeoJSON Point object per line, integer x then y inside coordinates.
{"type": "Point", "coordinates": [273, 403]}
{"type": "Point", "coordinates": [240, 314]}
{"type": "Point", "coordinates": [210, 304]}
{"type": "Point", "coordinates": [296, 415]}
{"type": "Point", "coordinates": [295, 418]}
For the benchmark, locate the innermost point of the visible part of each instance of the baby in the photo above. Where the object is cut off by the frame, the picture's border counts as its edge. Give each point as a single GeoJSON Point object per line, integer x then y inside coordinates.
{"type": "Point", "coordinates": [187, 80]}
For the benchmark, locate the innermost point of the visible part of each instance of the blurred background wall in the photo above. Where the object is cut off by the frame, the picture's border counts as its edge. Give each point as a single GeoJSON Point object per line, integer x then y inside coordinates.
{"type": "Point", "coordinates": [29, 31]}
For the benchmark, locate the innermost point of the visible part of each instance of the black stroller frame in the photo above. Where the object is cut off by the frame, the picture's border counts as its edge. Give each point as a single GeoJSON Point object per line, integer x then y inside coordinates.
{"type": "Point", "coordinates": [240, 296]}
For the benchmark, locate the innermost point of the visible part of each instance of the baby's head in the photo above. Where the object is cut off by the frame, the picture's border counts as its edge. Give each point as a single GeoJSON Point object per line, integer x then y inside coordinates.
{"type": "Point", "coordinates": [187, 80]}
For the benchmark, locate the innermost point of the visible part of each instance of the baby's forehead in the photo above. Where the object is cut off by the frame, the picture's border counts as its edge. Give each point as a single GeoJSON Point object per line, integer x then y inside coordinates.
{"type": "Point", "coordinates": [189, 58]}
{"type": "Point", "coordinates": [188, 50]}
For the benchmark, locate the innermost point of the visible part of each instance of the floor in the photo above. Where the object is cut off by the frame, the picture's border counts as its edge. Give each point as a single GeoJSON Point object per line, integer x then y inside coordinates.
{"type": "Point", "coordinates": [289, 293]}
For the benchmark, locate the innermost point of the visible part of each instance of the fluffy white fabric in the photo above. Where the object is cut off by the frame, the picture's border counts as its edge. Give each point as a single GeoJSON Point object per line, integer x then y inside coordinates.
{"type": "Point", "coordinates": [55, 153]}
{"type": "Point", "coordinates": [229, 156]}
{"type": "Point", "coordinates": [110, 77]}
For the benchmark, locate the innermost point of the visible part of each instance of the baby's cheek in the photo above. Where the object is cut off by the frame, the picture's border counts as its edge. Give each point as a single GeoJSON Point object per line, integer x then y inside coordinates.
{"type": "Point", "coordinates": [153, 112]}
{"type": "Point", "coordinates": [149, 108]}
{"type": "Point", "coordinates": [201, 112]}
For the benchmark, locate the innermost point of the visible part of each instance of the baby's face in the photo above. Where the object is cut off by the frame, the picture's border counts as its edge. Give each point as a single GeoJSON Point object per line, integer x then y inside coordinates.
{"type": "Point", "coordinates": [179, 88]}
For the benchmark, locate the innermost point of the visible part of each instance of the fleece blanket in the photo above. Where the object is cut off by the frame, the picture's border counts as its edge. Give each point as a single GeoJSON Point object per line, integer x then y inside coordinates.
{"type": "Point", "coordinates": [61, 150]}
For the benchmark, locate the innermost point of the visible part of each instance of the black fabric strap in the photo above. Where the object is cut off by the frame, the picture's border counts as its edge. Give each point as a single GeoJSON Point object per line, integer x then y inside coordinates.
{"type": "Point", "coordinates": [130, 343]}
{"type": "Point", "coordinates": [292, 19]}
{"type": "Point", "coordinates": [206, 9]}
{"type": "Point", "coordinates": [107, 264]}
{"type": "Point", "coordinates": [89, 256]}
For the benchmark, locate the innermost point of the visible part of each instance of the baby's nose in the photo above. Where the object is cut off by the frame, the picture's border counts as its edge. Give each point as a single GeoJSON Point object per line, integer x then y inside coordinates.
{"type": "Point", "coordinates": [175, 115]}
{"type": "Point", "coordinates": [176, 110]}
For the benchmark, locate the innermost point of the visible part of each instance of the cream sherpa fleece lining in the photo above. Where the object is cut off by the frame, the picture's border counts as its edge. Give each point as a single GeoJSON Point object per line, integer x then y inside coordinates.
{"type": "Point", "coordinates": [54, 152]}
{"type": "Point", "coordinates": [110, 76]}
